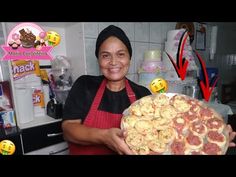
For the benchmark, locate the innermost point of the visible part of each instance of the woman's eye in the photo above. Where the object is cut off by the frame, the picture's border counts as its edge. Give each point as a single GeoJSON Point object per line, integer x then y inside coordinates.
{"type": "Point", "coordinates": [121, 54]}
{"type": "Point", "coordinates": [105, 56]}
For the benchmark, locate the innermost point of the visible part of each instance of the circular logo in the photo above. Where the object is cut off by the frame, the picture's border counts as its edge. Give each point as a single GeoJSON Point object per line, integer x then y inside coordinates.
{"type": "Point", "coordinates": [7, 147]}
{"type": "Point", "coordinates": [159, 85]}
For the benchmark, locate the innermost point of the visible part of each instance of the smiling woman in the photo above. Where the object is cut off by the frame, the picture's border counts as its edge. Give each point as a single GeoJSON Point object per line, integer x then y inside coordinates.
{"type": "Point", "coordinates": [94, 106]}
{"type": "Point", "coordinates": [114, 60]}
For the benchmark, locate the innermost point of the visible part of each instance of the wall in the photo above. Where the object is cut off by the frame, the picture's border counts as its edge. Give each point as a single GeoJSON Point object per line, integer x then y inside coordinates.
{"type": "Point", "coordinates": [143, 36]}
{"type": "Point", "coordinates": [225, 45]}
{"type": "Point", "coordinates": [3, 64]}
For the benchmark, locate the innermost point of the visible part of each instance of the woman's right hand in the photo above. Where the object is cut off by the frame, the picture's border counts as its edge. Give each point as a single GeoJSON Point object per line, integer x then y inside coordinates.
{"type": "Point", "coordinates": [114, 139]}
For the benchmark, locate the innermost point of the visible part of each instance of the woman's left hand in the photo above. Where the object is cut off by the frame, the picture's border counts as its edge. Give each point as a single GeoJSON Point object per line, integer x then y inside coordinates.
{"type": "Point", "coordinates": [232, 135]}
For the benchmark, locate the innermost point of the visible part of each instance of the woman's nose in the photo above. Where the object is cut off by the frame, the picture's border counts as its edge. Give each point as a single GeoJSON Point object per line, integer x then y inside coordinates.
{"type": "Point", "coordinates": [113, 60]}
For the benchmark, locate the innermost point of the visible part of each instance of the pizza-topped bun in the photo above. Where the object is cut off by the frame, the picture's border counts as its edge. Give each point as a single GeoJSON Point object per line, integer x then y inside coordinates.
{"type": "Point", "coordinates": [167, 135]}
{"type": "Point", "coordinates": [191, 117]}
{"type": "Point", "coordinates": [157, 146]}
{"type": "Point", "coordinates": [135, 110]}
{"type": "Point", "coordinates": [178, 147]}
{"type": "Point", "coordinates": [193, 142]}
{"type": "Point", "coordinates": [157, 112]}
{"type": "Point", "coordinates": [152, 135]}
{"type": "Point", "coordinates": [206, 113]}
{"type": "Point", "coordinates": [168, 112]}
{"type": "Point", "coordinates": [198, 128]}
{"type": "Point", "coordinates": [161, 100]}
{"type": "Point", "coordinates": [143, 150]}
{"type": "Point", "coordinates": [180, 103]}
{"type": "Point", "coordinates": [211, 149]}
{"type": "Point", "coordinates": [143, 126]}
{"type": "Point", "coordinates": [217, 138]}
{"type": "Point", "coordinates": [195, 107]}
{"type": "Point", "coordinates": [147, 109]}
{"type": "Point", "coordinates": [145, 100]}
{"type": "Point", "coordinates": [180, 124]}
{"type": "Point", "coordinates": [193, 152]}
{"type": "Point", "coordinates": [170, 123]}
{"type": "Point", "coordinates": [134, 139]}
{"type": "Point", "coordinates": [161, 123]}
{"type": "Point", "coordinates": [129, 121]}
{"type": "Point", "coordinates": [215, 124]}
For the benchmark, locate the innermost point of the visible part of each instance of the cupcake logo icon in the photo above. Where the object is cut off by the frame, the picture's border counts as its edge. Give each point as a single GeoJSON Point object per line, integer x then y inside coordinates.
{"type": "Point", "coordinates": [27, 41]}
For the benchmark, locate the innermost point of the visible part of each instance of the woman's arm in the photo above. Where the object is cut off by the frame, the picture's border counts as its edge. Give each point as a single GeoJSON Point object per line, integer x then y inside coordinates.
{"type": "Point", "coordinates": [232, 135]}
{"type": "Point", "coordinates": [78, 133]}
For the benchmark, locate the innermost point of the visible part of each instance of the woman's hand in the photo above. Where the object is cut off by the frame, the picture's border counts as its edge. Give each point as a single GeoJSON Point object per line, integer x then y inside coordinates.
{"type": "Point", "coordinates": [114, 139]}
{"type": "Point", "coordinates": [232, 135]}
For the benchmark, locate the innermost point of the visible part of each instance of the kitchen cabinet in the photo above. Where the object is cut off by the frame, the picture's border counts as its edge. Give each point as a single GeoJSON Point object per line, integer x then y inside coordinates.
{"type": "Point", "coordinates": [55, 149]}
{"type": "Point", "coordinates": [45, 139]}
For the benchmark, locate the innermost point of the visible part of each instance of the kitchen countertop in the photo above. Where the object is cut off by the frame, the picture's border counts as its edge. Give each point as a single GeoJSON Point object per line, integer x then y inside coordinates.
{"type": "Point", "coordinates": [38, 121]}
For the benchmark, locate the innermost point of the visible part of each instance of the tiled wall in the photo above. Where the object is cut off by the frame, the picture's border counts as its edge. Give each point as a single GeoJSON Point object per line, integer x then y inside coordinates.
{"type": "Point", "coordinates": [143, 36]}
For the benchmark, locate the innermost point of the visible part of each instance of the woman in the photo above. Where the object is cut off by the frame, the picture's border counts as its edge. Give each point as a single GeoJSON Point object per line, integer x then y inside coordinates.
{"type": "Point", "coordinates": [94, 106]}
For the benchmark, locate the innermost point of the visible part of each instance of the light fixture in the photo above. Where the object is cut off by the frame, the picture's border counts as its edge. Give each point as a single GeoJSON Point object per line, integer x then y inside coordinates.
{"type": "Point", "coordinates": [213, 42]}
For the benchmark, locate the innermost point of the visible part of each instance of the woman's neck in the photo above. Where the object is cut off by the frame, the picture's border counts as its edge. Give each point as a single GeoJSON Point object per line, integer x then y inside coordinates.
{"type": "Point", "coordinates": [116, 86]}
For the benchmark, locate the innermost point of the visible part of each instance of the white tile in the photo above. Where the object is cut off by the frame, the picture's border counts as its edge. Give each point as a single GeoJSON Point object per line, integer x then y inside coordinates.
{"type": "Point", "coordinates": [139, 48]}
{"type": "Point", "coordinates": [91, 29]}
{"type": "Point", "coordinates": [128, 29]}
{"type": "Point", "coordinates": [165, 27]}
{"type": "Point", "coordinates": [103, 25]}
{"type": "Point", "coordinates": [208, 38]}
{"type": "Point", "coordinates": [155, 32]}
{"type": "Point", "coordinates": [132, 64]}
{"type": "Point", "coordinates": [153, 46]}
{"type": "Point", "coordinates": [133, 77]}
{"type": "Point", "coordinates": [91, 60]}
{"type": "Point", "coordinates": [171, 25]}
{"type": "Point", "coordinates": [141, 32]}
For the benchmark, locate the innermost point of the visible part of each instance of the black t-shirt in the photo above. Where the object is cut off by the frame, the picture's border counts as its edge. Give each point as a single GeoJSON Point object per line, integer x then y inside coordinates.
{"type": "Point", "coordinates": [84, 90]}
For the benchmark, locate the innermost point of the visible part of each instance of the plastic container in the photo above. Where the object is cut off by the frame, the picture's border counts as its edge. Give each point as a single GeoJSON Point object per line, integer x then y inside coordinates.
{"type": "Point", "coordinates": [38, 98]}
{"type": "Point", "coordinates": [61, 73]}
{"type": "Point", "coordinates": [154, 55]}
{"type": "Point", "coordinates": [24, 104]}
{"type": "Point", "coordinates": [192, 91]}
{"type": "Point", "coordinates": [152, 66]}
{"type": "Point", "coordinates": [61, 76]}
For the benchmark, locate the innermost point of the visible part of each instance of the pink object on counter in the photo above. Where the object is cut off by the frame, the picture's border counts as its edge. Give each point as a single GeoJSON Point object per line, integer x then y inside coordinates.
{"type": "Point", "coordinates": [151, 66]}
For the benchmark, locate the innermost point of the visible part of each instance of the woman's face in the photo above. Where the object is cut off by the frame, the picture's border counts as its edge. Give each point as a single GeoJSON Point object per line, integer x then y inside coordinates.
{"type": "Point", "coordinates": [114, 59]}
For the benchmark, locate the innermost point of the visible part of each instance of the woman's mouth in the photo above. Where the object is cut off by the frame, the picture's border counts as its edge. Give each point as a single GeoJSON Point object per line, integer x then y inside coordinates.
{"type": "Point", "coordinates": [114, 70]}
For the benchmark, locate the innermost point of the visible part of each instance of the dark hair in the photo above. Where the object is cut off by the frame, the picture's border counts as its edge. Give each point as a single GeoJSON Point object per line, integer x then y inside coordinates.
{"type": "Point", "coordinates": [112, 31]}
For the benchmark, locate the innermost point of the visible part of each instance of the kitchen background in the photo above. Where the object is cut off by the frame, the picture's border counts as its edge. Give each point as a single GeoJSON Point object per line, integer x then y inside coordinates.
{"type": "Point", "coordinates": [143, 37]}
{"type": "Point", "coordinates": [78, 45]}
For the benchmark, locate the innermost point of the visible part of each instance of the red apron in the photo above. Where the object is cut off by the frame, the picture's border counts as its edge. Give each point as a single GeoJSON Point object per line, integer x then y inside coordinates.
{"type": "Point", "coordinates": [100, 119]}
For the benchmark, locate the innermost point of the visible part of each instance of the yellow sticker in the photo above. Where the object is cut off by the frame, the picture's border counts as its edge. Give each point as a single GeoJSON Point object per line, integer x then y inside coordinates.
{"type": "Point", "coordinates": [159, 85]}
{"type": "Point", "coordinates": [7, 147]}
